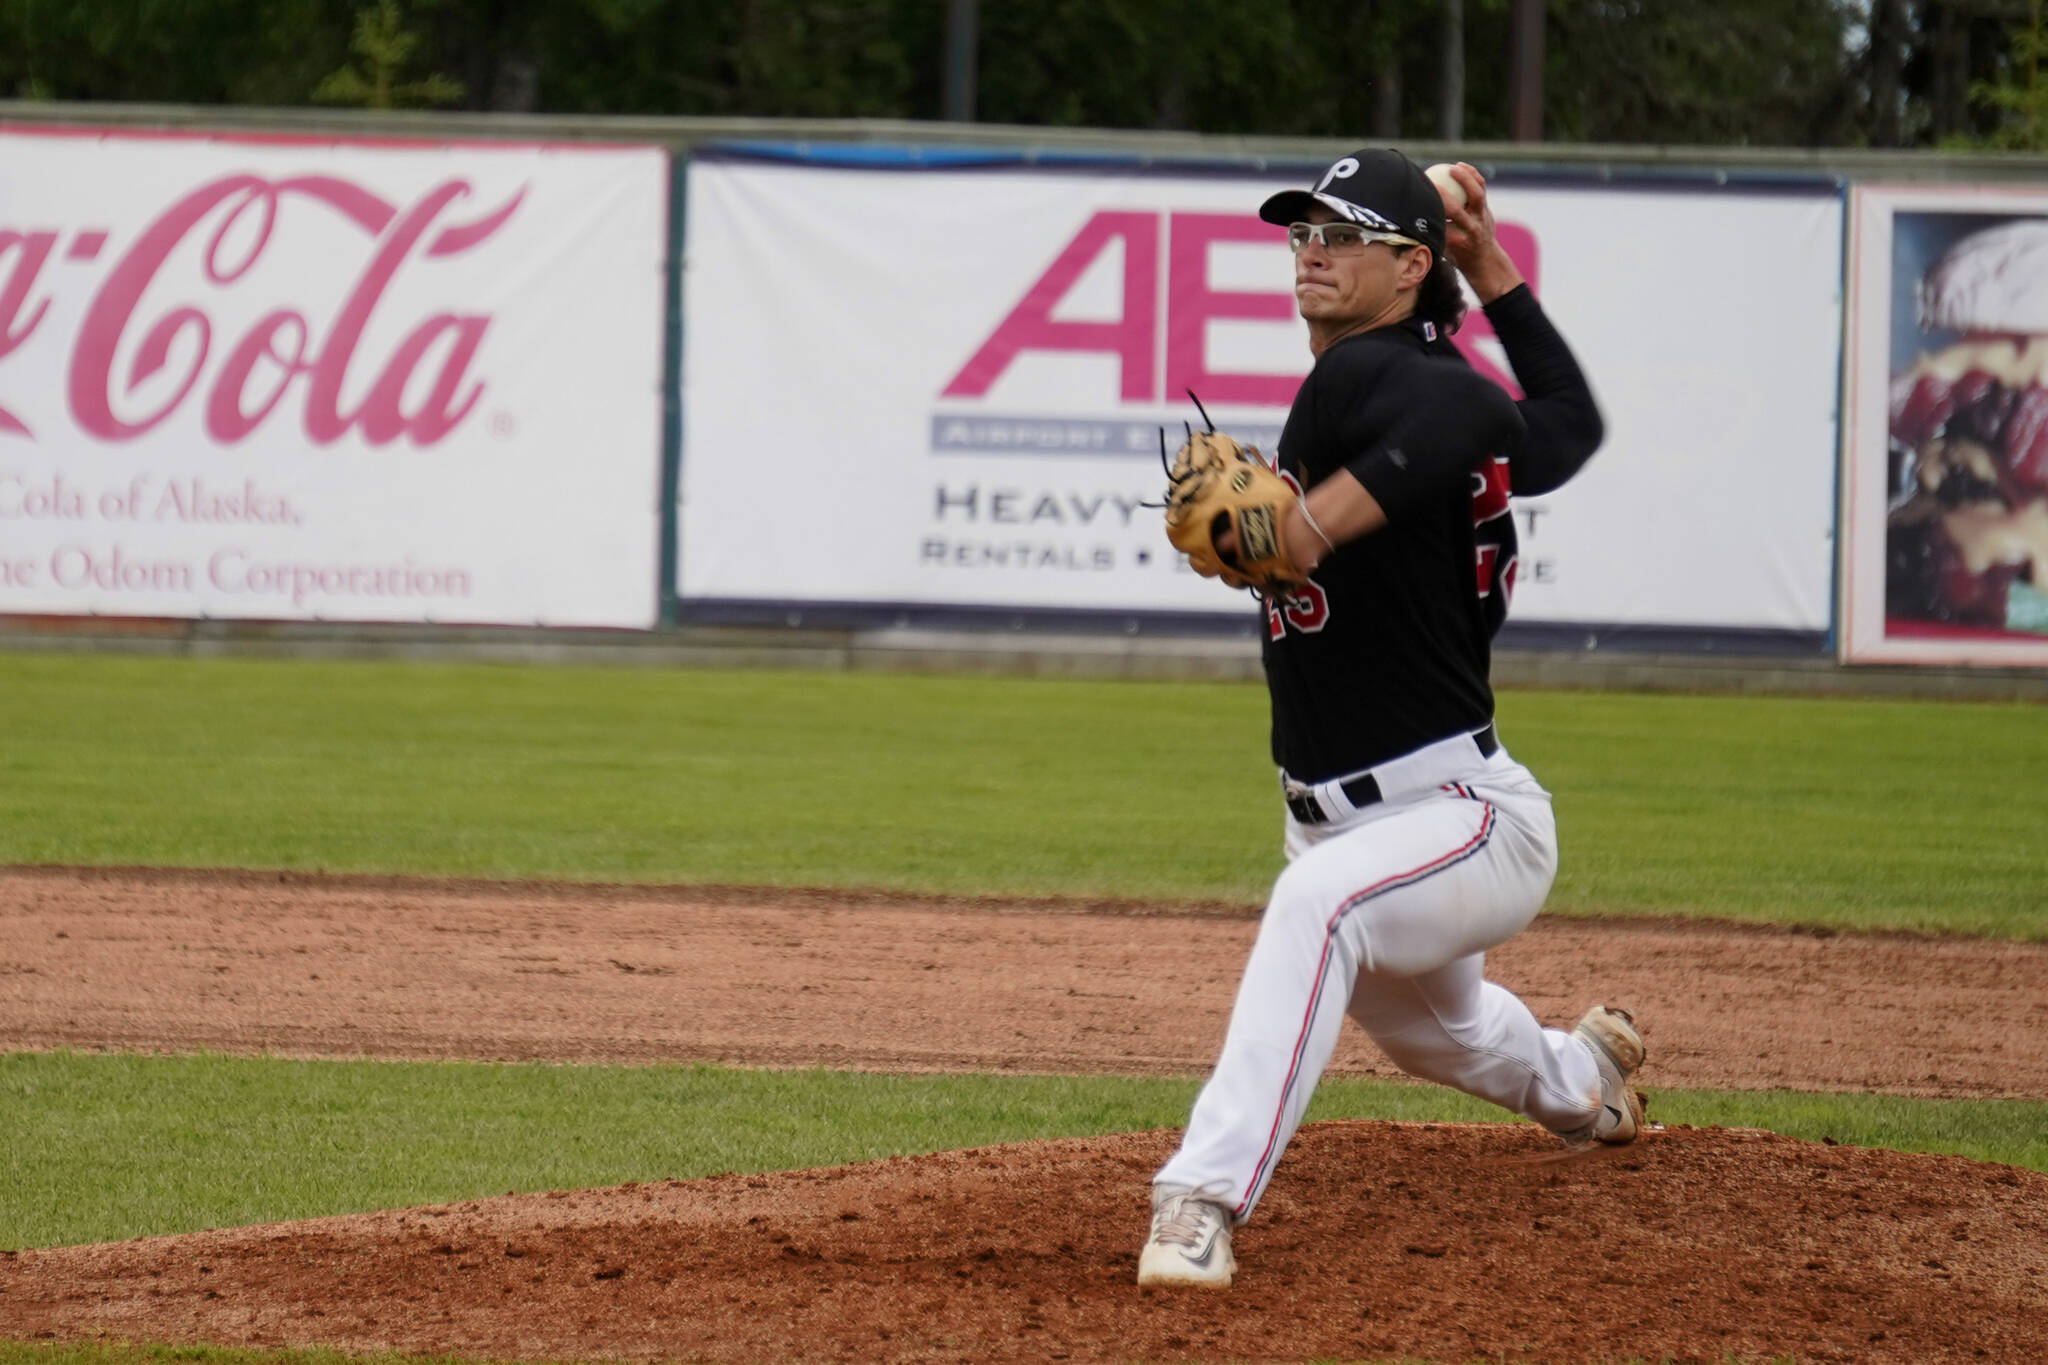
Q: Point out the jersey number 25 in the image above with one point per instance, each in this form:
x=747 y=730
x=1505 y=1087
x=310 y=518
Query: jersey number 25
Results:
x=1307 y=609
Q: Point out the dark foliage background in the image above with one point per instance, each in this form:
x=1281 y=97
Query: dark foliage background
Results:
x=1759 y=72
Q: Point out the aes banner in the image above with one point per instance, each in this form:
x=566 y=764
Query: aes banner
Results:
x=1945 y=445
x=908 y=386
x=315 y=380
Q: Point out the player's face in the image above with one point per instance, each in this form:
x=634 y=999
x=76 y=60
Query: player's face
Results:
x=1337 y=289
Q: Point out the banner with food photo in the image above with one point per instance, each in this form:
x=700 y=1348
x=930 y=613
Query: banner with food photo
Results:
x=1945 y=437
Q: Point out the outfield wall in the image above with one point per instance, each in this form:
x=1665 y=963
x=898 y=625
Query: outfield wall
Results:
x=326 y=380
x=987 y=356
x=607 y=373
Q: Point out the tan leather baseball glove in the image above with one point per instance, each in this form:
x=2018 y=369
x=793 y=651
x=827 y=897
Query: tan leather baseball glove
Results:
x=1216 y=485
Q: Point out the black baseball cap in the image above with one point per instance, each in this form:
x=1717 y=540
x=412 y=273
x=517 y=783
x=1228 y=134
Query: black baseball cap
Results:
x=1375 y=187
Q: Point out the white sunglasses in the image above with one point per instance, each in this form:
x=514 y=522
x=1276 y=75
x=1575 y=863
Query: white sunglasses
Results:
x=1341 y=239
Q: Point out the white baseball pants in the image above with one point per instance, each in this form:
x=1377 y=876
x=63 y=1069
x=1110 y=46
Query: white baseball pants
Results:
x=1386 y=913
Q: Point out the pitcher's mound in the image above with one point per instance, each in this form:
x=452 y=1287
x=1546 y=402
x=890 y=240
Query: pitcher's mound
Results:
x=1376 y=1241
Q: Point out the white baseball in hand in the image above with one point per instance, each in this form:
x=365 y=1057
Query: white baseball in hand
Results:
x=1453 y=193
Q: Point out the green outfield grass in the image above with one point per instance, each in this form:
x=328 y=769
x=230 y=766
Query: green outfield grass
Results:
x=120 y=1146
x=1842 y=813
x=1921 y=815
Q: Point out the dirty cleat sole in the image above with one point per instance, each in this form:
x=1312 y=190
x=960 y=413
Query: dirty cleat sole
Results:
x=1618 y=1051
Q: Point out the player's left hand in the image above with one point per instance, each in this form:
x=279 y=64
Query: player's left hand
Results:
x=1226 y=510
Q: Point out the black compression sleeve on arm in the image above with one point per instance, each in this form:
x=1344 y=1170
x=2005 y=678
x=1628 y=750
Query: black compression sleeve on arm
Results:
x=1563 y=421
x=1450 y=420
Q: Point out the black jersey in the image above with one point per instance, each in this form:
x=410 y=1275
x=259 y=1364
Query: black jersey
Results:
x=1564 y=429
x=1386 y=650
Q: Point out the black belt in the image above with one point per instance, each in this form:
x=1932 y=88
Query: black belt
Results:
x=1364 y=790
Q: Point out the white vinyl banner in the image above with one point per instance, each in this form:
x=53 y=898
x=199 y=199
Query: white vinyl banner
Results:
x=1945 y=441
x=290 y=379
x=947 y=386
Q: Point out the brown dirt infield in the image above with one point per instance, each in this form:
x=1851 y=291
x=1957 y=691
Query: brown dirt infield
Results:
x=1376 y=1240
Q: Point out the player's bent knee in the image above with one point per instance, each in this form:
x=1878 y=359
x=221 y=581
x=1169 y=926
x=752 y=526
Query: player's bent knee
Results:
x=1425 y=1054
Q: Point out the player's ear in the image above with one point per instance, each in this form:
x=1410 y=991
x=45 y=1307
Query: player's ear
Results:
x=1416 y=263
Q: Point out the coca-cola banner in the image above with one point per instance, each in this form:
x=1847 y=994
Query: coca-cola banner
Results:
x=317 y=380
x=958 y=379
x=1945 y=445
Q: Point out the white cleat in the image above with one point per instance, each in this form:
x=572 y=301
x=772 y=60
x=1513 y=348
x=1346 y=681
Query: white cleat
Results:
x=1190 y=1242
x=1617 y=1049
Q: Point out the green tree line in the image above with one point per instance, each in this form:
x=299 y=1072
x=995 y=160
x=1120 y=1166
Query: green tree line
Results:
x=1887 y=73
